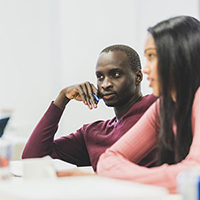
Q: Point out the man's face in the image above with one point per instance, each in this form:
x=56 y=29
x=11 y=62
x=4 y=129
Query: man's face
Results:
x=116 y=81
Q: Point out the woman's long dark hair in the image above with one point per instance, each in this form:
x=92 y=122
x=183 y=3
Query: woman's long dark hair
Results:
x=178 y=50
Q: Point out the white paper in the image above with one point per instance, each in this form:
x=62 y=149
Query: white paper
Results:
x=16 y=167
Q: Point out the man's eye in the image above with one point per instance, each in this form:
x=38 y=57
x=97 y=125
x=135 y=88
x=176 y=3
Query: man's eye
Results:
x=117 y=74
x=99 y=77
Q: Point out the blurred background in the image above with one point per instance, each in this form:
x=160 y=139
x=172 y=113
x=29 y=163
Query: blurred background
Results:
x=46 y=45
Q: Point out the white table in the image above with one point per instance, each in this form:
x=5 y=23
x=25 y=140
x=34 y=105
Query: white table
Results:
x=174 y=197
x=83 y=188
x=80 y=188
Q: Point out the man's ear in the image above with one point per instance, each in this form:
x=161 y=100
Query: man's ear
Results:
x=139 y=77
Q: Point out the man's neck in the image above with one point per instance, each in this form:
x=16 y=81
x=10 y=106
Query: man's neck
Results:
x=123 y=109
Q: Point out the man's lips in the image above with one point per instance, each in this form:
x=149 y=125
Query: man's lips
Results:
x=108 y=96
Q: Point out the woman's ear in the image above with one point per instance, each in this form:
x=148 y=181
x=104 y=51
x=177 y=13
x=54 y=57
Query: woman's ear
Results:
x=139 y=77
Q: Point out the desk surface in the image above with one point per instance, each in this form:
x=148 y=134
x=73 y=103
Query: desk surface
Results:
x=75 y=188
x=83 y=187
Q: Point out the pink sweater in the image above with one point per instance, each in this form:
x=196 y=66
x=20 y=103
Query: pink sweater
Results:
x=119 y=160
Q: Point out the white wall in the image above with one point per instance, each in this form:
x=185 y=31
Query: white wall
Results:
x=24 y=60
x=86 y=28
x=46 y=45
x=151 y=12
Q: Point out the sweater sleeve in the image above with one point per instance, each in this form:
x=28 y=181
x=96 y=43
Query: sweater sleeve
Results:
x=119 y=160
x=70 y=148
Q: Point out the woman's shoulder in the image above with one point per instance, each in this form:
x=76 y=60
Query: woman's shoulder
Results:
x=197 y=94
x=197 y=98
x=198 y=91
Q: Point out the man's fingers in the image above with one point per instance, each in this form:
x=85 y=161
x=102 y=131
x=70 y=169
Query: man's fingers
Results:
x=85 y=92
x=86 y=95
x=89 y=90
x=95 y=93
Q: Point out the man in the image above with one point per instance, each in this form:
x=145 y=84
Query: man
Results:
x=118 y=72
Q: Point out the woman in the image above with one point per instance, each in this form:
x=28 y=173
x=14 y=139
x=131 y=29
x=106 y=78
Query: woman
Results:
x=172 y=124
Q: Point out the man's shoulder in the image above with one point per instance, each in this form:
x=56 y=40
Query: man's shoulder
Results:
x=148 y=97
x=148 y=100
x=143 y=104
x=138 y=109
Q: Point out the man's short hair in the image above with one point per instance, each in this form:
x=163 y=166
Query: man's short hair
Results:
x=131 y=53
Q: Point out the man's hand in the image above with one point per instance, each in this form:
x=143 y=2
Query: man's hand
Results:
x=81 y=92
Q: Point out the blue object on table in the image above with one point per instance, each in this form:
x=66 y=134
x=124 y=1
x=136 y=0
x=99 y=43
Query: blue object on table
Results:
x=3 y=123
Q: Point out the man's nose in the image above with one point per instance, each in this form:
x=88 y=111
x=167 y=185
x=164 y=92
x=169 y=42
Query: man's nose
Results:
x=106 y=83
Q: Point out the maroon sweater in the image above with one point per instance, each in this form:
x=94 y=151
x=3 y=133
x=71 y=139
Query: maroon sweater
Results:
x=83 y=147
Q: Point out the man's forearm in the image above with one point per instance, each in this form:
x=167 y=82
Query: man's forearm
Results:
x=61 y=101
x=40 y=142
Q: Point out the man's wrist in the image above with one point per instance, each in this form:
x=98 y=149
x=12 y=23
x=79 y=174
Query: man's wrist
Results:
x=61 y=101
